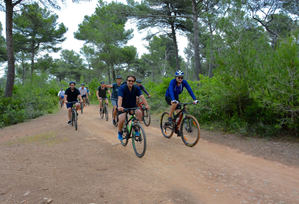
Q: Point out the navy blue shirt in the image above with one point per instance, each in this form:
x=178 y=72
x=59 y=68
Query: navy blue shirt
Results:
x=115 y=88
x=129 y=97
x=143 y=89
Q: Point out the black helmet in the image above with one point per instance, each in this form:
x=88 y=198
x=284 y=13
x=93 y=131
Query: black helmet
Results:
x=72 y=82
x=82 y=84
x=118 y=77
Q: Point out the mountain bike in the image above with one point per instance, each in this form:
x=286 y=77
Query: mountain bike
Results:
x=104 y=111
x=133 y=129
x=146 y=116
x=74 y=116
x=183 y=124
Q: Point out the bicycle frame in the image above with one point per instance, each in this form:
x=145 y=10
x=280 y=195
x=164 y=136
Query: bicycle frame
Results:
x=128 y=124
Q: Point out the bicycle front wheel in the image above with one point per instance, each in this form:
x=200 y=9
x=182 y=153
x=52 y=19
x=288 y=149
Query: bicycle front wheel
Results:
x=76 y=120
x=81 y=106
x=166 y=126
x=190 y=130
x=106 y=112
x=138 y=140
x=146 y=117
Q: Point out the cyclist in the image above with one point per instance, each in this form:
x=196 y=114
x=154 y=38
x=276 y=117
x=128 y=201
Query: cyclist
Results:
x=83 y=93
x=102 y=94
x=61 y=96
x=142 y=88
x=175 y=88
x=88 y=94
x=127 y=95
x=71 y=95
x=114 y=96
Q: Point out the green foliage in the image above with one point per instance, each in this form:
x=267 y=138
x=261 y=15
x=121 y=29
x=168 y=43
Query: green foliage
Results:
x=30 y=100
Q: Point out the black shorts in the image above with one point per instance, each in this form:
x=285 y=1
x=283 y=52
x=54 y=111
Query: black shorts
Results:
x=83 y=96
x=168 y=101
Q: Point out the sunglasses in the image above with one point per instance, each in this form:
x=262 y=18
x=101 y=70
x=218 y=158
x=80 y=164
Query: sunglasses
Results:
x=180 y=77
x=130 y=80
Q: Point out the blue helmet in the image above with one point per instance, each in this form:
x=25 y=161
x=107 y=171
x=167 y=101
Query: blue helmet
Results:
x=72 y=82
x=179 y=73
x=139 y=81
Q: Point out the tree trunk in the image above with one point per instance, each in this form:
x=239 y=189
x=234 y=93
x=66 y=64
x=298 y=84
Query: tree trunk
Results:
x=173 y=33
x=197 y=65
x=32 y=61
x=109 y=75
x=23 y=68
x=113 y=74
x=10 y=50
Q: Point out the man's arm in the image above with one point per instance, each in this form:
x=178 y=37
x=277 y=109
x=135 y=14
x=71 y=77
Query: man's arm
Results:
x=119 y=103
x=144 y=101
x=189 y=90
x=97 y=93
x=145 y=91
x=65 y=98
x=109 y=85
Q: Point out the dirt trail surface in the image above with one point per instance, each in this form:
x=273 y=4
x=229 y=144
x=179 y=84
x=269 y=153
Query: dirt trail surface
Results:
x=46 y=158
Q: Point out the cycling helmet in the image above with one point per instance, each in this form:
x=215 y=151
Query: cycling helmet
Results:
x=179 y=73
x=102 y=82
x=82 y=84
x=118 y=77
x=139 y=81
x=72 y=82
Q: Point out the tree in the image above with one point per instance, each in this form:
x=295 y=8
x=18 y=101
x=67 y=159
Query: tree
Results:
x=170 y=15
x=39 y=29
x=2 y=47
x=9 y=9
x=105 y=30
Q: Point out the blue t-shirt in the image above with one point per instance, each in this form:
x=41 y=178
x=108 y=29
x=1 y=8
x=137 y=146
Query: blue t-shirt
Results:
x=129 y=97
x=142 y=88
x=115 y=89
x=174 y=90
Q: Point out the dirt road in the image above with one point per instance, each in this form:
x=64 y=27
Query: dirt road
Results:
x=47 y=158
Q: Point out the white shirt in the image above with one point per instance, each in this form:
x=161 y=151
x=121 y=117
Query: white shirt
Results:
x=83 y=91
x=61 y=93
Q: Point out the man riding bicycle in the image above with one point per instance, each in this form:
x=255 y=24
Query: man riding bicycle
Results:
x=114 y=96
x=142 y=88
x=61 y=96
x=83 y=93
x=71 y=96
x=102 y=94
x=173 y=91
x=127 y=95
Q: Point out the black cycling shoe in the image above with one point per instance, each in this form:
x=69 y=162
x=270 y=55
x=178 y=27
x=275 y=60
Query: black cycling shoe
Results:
x=69 y=122
x=114 y=122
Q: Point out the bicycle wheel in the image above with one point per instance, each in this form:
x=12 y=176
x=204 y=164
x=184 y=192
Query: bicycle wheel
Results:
x=101 y=113
x=76 y=120
x=72 y=119
x=106 y=112
x=146 y=117
x=138 y=140
x=166 y=127
x=125 y=139
x=190 y=131
x=81 y=106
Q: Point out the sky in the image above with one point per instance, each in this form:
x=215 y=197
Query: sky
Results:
x=72 y=14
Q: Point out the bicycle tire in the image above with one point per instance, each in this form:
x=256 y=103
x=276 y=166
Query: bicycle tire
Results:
x=106 y=112
x=164 y=127
x=102 y=113
x=137 y=139
x=81 y=106
x=76 y=121
x=186 y=128
x=72 y=119
x=146 y=117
